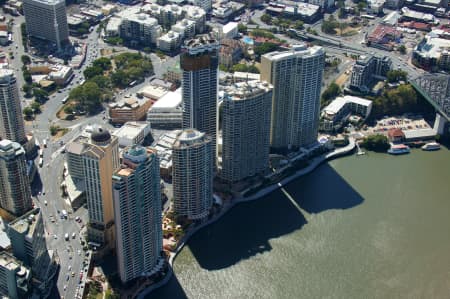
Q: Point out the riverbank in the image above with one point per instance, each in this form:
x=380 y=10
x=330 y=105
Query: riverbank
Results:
x=314 y=163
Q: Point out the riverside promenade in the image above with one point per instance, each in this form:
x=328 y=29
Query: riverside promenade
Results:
x=314 y=163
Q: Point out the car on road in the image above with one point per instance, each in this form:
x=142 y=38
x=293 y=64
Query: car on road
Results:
x=66 y=236
x=67 y=277
x=78 y=219
x=55 y=237
x=45 y=202
x=73 y=274
x=74 y=235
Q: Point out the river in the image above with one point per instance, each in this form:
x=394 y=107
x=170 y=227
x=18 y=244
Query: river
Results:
x=374 y=226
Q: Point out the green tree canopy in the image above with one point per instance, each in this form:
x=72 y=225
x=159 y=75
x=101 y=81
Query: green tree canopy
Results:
x=265 y=48
x=396 y=75
x=378 y=143
x=40 y=95
x=36 y=106
x=104 y=63
x=25 y=59
x=92 y=71
x=331 y=92
x=28 y=112
x=88 y=95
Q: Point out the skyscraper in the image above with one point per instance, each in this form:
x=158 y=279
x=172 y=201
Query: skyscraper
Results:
x=47 y=19
x=11 y=119
x=192 y=174
x=15 y=194
x=137 y=210
x=97 y=157
x=28 y=245
x=296 y=76
x=199 y=62
x=245 y=129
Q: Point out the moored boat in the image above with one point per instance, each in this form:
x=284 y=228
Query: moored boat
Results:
x=431 y=146
x=399 y=149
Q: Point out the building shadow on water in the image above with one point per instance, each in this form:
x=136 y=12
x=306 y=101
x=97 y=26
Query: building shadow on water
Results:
x=247 y=229
x=172 y=290
x=323 y=190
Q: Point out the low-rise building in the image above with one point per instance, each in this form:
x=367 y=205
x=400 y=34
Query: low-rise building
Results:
x=339 y=110
x=153 y=91
x=229 y=31
x=61 y=74
x=164 y=147
x=131 y=109
x=186 y=28
x=113 y=27
x=132 y=132
x=169 y=42
x=29 y=246
x=412 y=15
x=15 y=278
x=367 y=70
x=432 y=53
x=138 y=28
x=167 y=111
x=230 y=52
x=383 y=37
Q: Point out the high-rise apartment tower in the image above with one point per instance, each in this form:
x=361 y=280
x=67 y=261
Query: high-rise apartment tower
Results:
x=15 y=194
x=192 y=174
x=245 y=129
x=137 y=210
x=199 y=62
x=47 y=19
x=11 y=119
x=296 y=76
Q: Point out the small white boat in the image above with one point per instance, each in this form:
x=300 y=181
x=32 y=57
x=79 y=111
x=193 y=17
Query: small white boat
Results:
x=399 y=149
x=431 y=146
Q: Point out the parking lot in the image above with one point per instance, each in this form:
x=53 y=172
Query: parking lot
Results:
x=404 y=123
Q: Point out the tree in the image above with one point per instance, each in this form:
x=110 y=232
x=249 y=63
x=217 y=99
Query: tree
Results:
x=36 y=107
x=88 y=95
x=331 y=92
x=329 y=26
x=92 y=71
x=378 y=143
x=54 y=130
x=68 y=110
x=28 y=90
x=40 y=95
x=396 y=75
x=242 y=28
x=120 y=79
x=265 y=48
x=101 y=81
x=402 y=49
x=298 y=25
x=28 y=112
x=266 y=19
x=104 y=63
x=27 y=76
x=25 y=59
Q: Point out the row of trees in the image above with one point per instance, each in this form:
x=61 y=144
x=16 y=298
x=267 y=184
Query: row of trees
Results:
x=282 y=22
